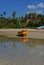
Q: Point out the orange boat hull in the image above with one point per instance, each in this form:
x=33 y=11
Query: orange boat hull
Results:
x=23 y=32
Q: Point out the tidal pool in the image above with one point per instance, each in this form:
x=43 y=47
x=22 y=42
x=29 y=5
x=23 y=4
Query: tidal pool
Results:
x=21 y=51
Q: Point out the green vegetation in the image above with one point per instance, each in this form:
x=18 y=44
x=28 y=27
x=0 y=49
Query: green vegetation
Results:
x=30 y=20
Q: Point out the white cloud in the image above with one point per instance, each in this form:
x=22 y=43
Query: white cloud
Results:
x=31 y=6
x=40 y=5
x=36 y=11
x=39 y=11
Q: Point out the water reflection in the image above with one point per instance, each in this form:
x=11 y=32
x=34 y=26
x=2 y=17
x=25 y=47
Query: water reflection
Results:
x=32 y=42
x=5 y=43
x=22 y=51
x=14 y=45
x=28 y=42
x=24 y=40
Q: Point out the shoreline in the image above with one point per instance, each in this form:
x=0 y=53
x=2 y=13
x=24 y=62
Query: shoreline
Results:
x=32 y=33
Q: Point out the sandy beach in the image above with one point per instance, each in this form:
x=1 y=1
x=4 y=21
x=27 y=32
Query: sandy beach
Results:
x=32 y=33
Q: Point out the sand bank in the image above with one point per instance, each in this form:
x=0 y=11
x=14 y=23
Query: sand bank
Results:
x=32 y=33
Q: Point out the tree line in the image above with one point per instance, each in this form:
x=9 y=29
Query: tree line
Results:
x=29 y=20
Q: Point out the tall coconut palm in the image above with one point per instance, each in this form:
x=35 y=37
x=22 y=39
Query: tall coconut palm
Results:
x=4 y=13
x=1 y=15
x=14 y=14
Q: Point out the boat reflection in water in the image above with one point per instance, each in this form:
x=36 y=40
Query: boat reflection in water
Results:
x=24 y=40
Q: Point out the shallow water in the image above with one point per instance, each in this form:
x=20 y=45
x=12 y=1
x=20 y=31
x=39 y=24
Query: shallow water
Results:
x=22 y=52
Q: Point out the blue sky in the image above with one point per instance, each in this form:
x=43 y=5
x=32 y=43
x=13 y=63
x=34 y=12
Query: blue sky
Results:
x=21 y=7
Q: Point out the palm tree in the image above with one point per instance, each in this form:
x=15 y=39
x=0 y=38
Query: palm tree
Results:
x=1 y=17
x=14 y=14
x=4 y=13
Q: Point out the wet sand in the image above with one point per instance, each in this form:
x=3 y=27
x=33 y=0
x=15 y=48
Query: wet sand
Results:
x=32 y=33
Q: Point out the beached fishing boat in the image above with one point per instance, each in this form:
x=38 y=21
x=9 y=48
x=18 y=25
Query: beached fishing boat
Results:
x=23 y=33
